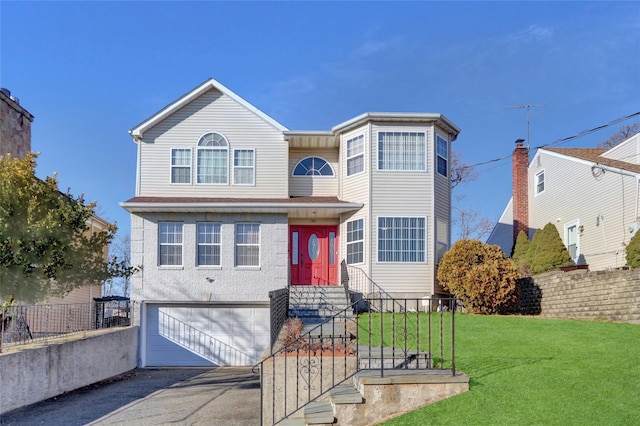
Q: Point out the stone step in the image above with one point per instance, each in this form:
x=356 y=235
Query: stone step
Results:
x=345 y=394
x=308 y=311
x=319 y=412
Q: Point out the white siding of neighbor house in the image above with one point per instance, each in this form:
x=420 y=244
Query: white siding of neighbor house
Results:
x=571 y=194
x=189 y=282
x=213 y=112
x=628 y=151
x=403 y=194
x=305 y=186
x=502 y=234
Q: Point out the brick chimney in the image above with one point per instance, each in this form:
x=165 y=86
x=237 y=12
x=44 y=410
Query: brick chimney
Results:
x=520 y=189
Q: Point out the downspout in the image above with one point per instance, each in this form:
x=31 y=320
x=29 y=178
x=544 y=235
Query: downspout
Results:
x=372 y=225
x=138 y=141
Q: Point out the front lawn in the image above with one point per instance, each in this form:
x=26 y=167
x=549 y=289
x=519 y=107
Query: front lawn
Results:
x=527 y=370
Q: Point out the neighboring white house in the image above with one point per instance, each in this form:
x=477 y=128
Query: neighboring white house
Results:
x=590 y=195
x=230 y=204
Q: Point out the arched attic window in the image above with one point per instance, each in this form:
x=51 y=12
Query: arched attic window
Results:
x=313 y=166
x=213 y=159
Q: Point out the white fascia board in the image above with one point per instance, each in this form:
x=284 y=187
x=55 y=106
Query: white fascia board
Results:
x=563 y=156
x=138 y=131
x=397 y=117
x=590 y=163
x=235 y=207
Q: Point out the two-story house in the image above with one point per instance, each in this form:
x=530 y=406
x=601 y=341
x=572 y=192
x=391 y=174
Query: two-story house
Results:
x=230 y=204
x=591 y=195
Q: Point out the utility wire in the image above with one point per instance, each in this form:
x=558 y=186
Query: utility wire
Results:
x=559 y=141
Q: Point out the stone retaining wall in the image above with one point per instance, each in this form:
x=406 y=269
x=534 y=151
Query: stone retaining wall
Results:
x=611 y=295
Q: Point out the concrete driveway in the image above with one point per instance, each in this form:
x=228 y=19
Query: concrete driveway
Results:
x=184 y=396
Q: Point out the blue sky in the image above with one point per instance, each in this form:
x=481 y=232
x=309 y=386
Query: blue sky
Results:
x=90 y=71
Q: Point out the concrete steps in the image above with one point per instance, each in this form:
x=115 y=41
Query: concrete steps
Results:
x=315 y=304
x=323 y=412
x=374 y=397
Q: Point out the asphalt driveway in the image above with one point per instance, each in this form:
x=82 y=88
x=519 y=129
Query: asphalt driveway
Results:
x=180 y=396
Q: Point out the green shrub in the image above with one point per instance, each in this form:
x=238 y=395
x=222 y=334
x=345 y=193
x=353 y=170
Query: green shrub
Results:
x=633 y=251
x=521 y=253
x=547 y=252
x=480 y=275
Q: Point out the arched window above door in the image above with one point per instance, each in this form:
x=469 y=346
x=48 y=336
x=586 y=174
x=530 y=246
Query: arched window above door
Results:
x=313 y=166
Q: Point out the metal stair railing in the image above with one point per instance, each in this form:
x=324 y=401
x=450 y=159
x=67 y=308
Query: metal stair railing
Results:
x=363 y=288
x=305 y=367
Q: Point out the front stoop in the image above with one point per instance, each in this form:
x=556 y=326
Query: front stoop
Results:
x=374 y=399
x=397 y=393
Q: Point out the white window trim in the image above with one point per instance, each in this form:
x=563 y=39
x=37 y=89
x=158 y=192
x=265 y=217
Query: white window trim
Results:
x=198 y=244
x=401 y=170
x=347 y=242
x=426 y=238
x=160 y=244
x=535 y=183
x=364 y=163
x=440 y=156
x=253 y=168
x=208 y=148
x=236 y=245
x=171 y=166
x=333 y=172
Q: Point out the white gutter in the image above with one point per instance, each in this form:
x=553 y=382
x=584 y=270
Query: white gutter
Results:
x=237 y=206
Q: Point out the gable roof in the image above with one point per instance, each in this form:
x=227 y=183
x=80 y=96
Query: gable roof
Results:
x=594 y=155
x=138 y=131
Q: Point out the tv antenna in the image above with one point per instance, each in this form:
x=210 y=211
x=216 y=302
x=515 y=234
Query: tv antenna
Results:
x=528 y=107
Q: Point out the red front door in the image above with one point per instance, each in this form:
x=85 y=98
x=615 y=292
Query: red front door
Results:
x=313 y=255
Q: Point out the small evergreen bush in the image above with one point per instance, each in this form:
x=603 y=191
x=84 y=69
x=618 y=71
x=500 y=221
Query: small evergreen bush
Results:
x=521 y=254
x=547 y=251
x=633 y=251
x=481 y=276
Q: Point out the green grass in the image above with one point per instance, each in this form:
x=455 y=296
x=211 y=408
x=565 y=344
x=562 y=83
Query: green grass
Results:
x=534 y=371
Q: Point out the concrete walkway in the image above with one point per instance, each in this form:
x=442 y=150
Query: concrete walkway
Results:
x=185 y=396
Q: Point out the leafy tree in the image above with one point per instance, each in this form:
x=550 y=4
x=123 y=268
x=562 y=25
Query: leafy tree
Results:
x=633 y=251
x=547 y=251
x=480 y=275
x=521 y=253
x=46 y=245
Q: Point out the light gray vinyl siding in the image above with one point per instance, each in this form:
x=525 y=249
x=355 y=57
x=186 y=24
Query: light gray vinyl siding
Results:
x=603 y=206
x=356 y=188
x=628 y=150
x=214 y=112
x=403 y=194
x=314 y=185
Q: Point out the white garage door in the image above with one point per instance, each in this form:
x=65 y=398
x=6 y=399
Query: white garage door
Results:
x=206 y=335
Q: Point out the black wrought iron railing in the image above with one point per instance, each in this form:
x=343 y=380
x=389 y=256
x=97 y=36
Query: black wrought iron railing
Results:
x=363 y=289
x=21 y=324
x=306 y=366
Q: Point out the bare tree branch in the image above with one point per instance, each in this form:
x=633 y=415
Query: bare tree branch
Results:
x=622 y=134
